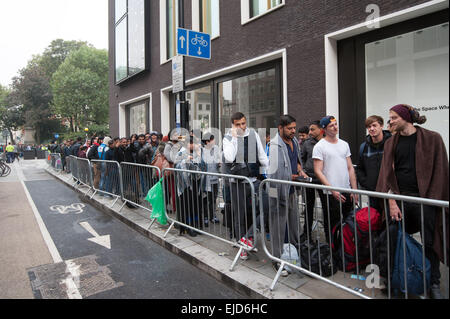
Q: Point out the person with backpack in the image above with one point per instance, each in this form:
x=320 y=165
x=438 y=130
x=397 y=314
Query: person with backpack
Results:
x=245 y=156
x=102 y=150
x=371 y=155
x=333 y=167
x=415 y=163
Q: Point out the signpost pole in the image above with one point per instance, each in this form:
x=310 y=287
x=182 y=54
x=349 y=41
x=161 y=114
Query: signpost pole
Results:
x=182 y=95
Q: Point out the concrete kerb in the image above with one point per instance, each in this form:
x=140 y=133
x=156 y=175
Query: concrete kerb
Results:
x=243 y=279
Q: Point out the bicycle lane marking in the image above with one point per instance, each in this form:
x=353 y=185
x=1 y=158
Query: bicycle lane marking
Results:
x=72 y=288
x=44 y=231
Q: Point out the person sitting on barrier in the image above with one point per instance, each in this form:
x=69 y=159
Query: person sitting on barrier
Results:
x=415 y=163
x=333 y=167
x=306 y=151
x=245 y=156
x=285 y=164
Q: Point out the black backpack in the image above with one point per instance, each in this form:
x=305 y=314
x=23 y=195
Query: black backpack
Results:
x=321 y=261
x=384 y=253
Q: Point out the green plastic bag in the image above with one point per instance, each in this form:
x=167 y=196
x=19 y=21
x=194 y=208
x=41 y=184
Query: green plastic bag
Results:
x=155 y=197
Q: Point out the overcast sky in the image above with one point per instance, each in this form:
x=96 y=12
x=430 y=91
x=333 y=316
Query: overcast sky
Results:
x=27 y=27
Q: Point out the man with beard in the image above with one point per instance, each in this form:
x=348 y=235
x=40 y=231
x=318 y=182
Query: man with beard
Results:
x=284 y=164
x=415 y=163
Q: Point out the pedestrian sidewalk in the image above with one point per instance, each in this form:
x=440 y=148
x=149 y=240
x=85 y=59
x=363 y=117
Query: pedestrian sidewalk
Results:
x=252 y=277
x=22 y=245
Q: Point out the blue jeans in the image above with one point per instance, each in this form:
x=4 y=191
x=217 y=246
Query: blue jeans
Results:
x=9 y=157
x=111 y=181
x=102 y=185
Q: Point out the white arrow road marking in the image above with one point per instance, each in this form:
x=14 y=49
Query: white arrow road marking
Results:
x=182 y=39
x=104 y=241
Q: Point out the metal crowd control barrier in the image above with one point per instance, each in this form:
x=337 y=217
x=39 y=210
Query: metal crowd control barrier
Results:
x=55 y=161
x=107 y=179
x=137 y=180
x=67 y=163
x=366 y=253
x=72 y=162
x=82 y=173
x=193 y=198
x=48 y=158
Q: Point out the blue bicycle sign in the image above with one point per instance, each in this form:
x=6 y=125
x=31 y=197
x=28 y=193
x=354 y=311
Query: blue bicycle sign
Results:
x=198 y=40
x=193 y=44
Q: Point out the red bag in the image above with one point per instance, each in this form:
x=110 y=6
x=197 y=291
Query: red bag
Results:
x=361 y=217
x=162 y=163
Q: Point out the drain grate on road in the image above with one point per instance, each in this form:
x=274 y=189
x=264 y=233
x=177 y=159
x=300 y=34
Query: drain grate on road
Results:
x=58 y=281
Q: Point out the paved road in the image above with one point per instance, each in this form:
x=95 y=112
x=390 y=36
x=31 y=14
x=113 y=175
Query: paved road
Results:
x=90 y=254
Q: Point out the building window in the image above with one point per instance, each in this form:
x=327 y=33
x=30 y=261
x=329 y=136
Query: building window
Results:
x=121 y=9
x=138 y=122
x=209 y=17
x=258 y=7
x=411 y=68
x=253 y=9
x=234 y=97
x=171 y=27
x=197 y=99
x=130 y=38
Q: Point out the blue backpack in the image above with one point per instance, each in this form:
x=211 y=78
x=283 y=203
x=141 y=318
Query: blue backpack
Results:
x=102 y=151
x=414 y=266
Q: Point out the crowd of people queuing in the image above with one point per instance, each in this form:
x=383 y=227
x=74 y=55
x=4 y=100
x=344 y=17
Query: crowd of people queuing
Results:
x=405 y=159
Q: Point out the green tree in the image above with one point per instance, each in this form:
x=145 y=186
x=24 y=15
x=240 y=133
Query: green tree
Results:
x=31 y=88
x=80 y=88
x=56 y=53
x=11 y=116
